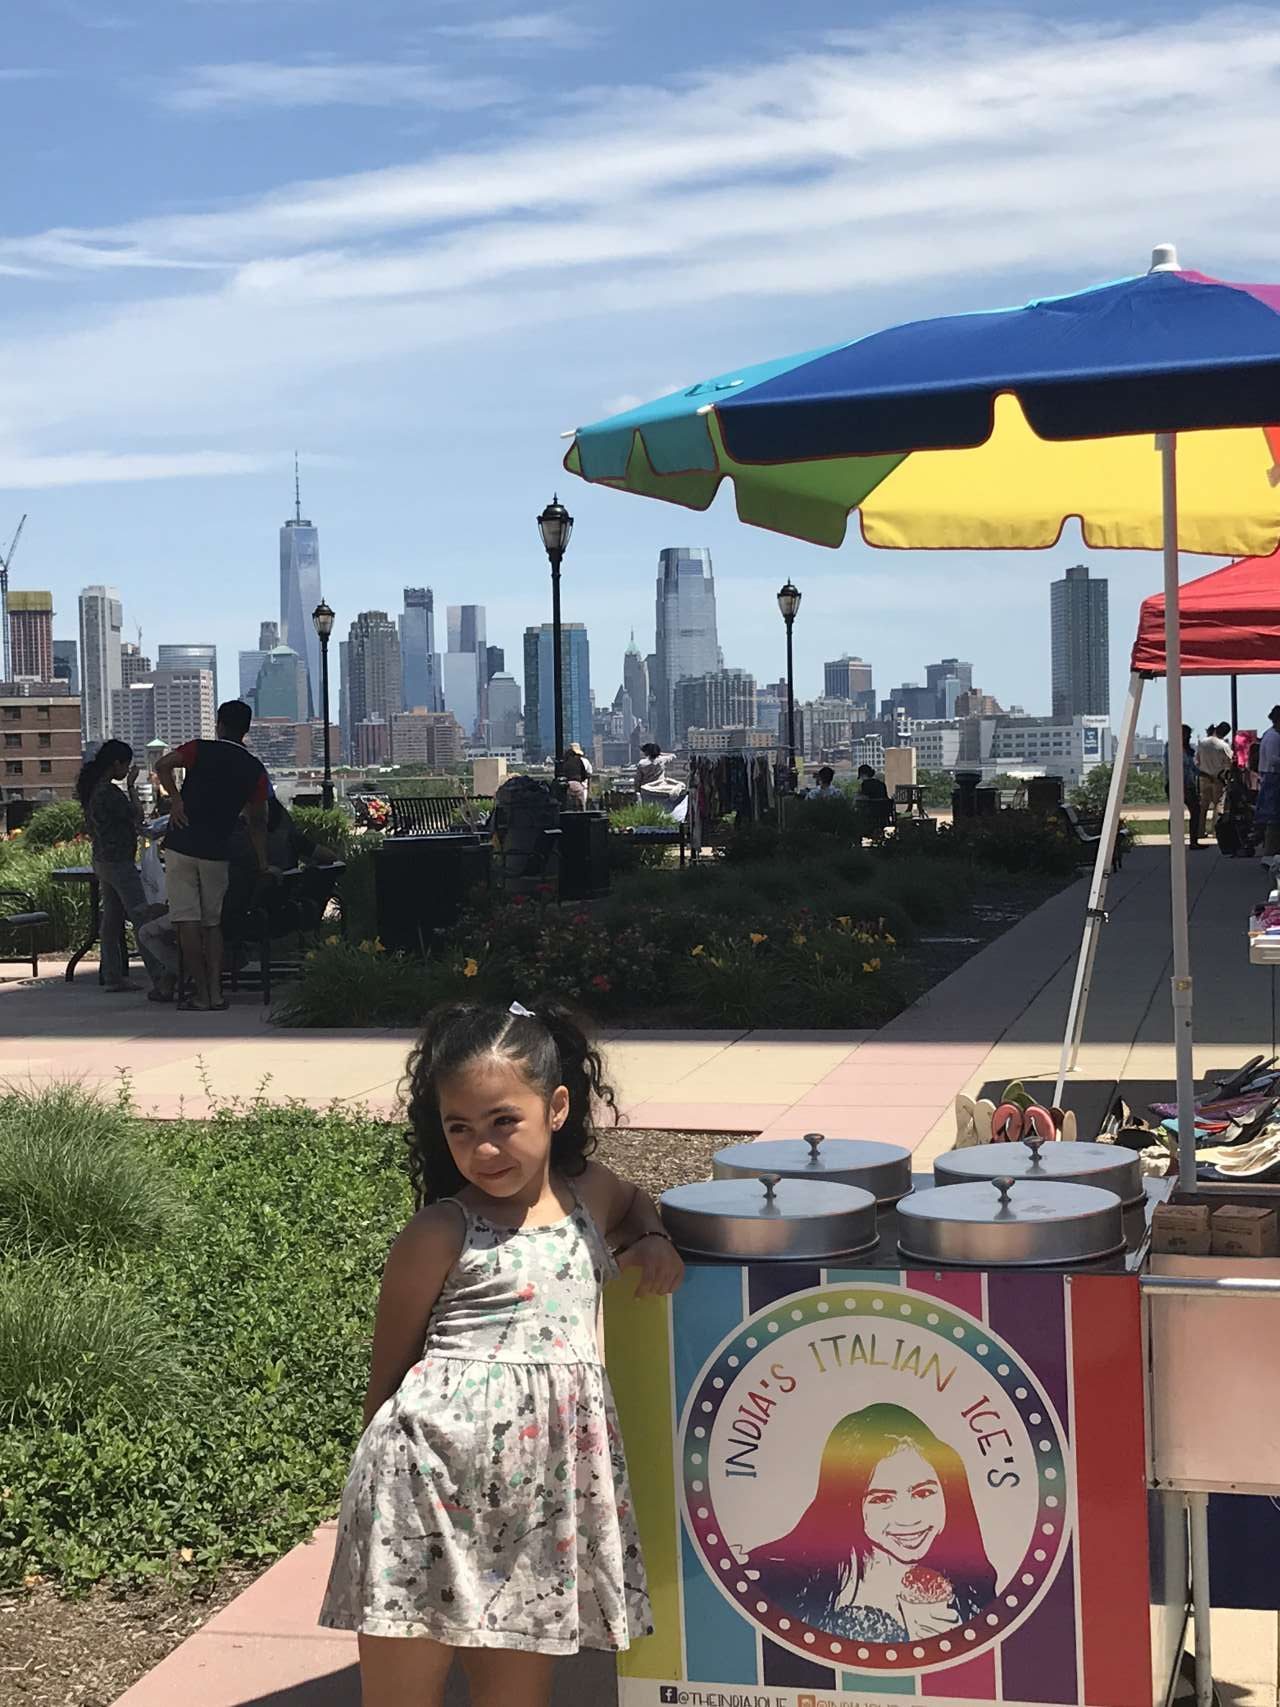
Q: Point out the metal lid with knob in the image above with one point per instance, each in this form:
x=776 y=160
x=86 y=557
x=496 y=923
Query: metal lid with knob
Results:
x=1035 y=1159
x=882 y=1169
x=1009 y=1222
x=765 y=1218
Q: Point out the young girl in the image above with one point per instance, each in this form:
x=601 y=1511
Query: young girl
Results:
x=487 y=1514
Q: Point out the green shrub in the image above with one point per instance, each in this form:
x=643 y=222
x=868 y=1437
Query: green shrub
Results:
x=836 y=815
x=72 y=1176
x=271 y=1297
x=59 y=821
x=70 y=1340
x=838 y=973
x=66 y=903
x=331 y=826
x=356 y=984
x=643 y=814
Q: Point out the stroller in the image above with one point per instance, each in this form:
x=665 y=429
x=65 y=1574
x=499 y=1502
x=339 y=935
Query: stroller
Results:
x=1233 y=826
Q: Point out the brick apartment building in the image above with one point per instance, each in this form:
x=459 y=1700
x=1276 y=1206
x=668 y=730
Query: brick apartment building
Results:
x=42 y=752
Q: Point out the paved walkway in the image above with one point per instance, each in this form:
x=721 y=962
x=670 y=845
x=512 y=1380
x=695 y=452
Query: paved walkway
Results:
x=1000 y=1016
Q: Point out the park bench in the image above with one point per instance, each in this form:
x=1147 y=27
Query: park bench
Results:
x=434 y=815
x=19 y=915
x=1087 y=833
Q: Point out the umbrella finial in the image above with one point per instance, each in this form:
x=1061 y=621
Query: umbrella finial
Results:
x=1164 y=259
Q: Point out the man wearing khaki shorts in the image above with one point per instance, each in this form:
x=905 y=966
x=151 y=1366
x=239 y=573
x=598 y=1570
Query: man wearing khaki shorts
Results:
x=222 y=781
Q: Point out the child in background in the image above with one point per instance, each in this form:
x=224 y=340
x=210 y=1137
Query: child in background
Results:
x=487 y=1515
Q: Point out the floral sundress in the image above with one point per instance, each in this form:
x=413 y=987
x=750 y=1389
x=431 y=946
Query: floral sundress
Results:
x=488 y=1503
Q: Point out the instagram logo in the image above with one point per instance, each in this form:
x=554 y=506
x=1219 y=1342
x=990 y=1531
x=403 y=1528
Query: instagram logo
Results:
x=807 y=1701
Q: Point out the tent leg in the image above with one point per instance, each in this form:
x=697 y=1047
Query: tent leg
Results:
x=1235 y=704
x=1095 y=914
x=1181 y=982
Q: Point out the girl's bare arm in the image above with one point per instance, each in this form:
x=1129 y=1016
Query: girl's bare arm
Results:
x=417 y=1267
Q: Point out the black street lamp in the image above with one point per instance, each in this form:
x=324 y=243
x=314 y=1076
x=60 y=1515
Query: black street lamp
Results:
x=789 y=604
x=555 y=524
x=322 y=617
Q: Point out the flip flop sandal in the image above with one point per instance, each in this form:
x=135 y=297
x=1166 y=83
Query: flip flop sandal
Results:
x=1007 y=1124
x=1059 y=1116
x=984 y=1111
x=966 y=1133
x=1037 y=1122
x=1070 y=1127
x=1016 y=1093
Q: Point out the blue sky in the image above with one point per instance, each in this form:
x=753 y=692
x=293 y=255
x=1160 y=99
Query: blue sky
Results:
x=418 y=241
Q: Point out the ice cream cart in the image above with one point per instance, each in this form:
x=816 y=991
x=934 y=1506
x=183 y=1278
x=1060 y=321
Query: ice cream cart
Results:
x=896 y=1450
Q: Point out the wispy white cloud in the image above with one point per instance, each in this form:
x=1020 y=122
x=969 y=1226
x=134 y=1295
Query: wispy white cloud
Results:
x=328 y=83
x=525 y=29
x=944 y=154
x=104 y=467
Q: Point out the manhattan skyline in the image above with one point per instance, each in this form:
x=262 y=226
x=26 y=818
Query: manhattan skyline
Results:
x=421 y=247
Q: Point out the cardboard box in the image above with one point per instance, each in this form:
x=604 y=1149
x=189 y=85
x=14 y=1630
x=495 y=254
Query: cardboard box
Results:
x=1182 y=1229
x=1243 y=1230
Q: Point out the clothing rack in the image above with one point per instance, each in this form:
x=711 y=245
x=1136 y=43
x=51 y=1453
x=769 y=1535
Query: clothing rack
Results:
x=743 y=781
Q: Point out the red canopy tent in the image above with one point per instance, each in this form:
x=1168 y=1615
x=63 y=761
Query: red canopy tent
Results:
x=1228 y=625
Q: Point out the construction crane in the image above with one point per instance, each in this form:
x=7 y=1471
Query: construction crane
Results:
x=5 y=562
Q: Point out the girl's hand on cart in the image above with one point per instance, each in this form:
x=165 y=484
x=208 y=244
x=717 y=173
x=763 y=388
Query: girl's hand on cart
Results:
x=659 y=1262
x=924 y=1620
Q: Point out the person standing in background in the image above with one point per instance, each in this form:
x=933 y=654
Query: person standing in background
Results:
x=577 y=773
x=1190 y=784
x=1267 y=812
x=222 y=780
x=1213 y=761
x=113 y=818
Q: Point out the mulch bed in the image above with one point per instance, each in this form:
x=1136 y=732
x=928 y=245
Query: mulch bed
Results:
x=86 y=1652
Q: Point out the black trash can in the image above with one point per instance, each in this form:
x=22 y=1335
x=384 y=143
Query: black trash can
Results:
x=986 y=802
x=1044 y=795
x=964 y=802
x=584 y=855
x=422 y=884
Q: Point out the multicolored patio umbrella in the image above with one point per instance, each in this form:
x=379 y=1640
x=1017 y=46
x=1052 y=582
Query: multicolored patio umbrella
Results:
x=1147 y=407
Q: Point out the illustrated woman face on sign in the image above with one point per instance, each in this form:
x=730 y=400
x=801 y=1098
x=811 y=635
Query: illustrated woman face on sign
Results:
x=890 y=1548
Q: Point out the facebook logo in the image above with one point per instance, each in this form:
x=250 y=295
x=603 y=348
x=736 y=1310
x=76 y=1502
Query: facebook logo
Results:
x=669 y=1692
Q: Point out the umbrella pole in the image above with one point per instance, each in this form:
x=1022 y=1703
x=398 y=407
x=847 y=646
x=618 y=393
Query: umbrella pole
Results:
x=1181 y=982
x=1096 y=910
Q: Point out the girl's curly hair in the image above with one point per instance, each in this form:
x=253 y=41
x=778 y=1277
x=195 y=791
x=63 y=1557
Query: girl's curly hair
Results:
x=549 y=1046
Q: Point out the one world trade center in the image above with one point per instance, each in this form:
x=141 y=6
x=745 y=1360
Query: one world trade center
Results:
x=300 y=593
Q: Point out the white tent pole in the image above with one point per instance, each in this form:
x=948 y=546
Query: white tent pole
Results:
x=1095 y=914
x=1181 y=982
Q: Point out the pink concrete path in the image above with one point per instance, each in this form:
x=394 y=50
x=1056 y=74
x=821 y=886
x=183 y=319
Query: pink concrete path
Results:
x=1000 y=1016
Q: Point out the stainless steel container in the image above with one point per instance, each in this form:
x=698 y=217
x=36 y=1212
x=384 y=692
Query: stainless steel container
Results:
x=882 y=1169
x=1106 y=1166
x=768 y=1219
x=1008 y=1223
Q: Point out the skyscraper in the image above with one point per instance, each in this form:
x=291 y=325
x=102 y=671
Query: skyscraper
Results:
x=686 y=643
x=850 y=678
x=495 y=662
x=101 y=622
x=169 y=705
x=281 y=687
x=373 y=672
x=504 y=710
x=722 y=699
x=418 y=658
x=462 y=690
x=467 y=639
x=539 y=692
x=31 y=636
x=946 y=681
x=185 y=658
x=635 y=679
x=66 y=664
x=134 y=664
x=300 y=593
x=1081 y=645
x=251 y=662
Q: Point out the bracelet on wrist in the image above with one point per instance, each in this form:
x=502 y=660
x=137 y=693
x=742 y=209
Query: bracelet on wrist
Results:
x=653 y=1233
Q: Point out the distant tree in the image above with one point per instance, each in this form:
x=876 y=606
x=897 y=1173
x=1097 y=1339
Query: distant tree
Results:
x=1142 y=788
x=938 y=787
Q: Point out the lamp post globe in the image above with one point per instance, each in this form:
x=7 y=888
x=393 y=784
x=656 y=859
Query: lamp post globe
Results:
x=322 y=619
x=555 y=525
